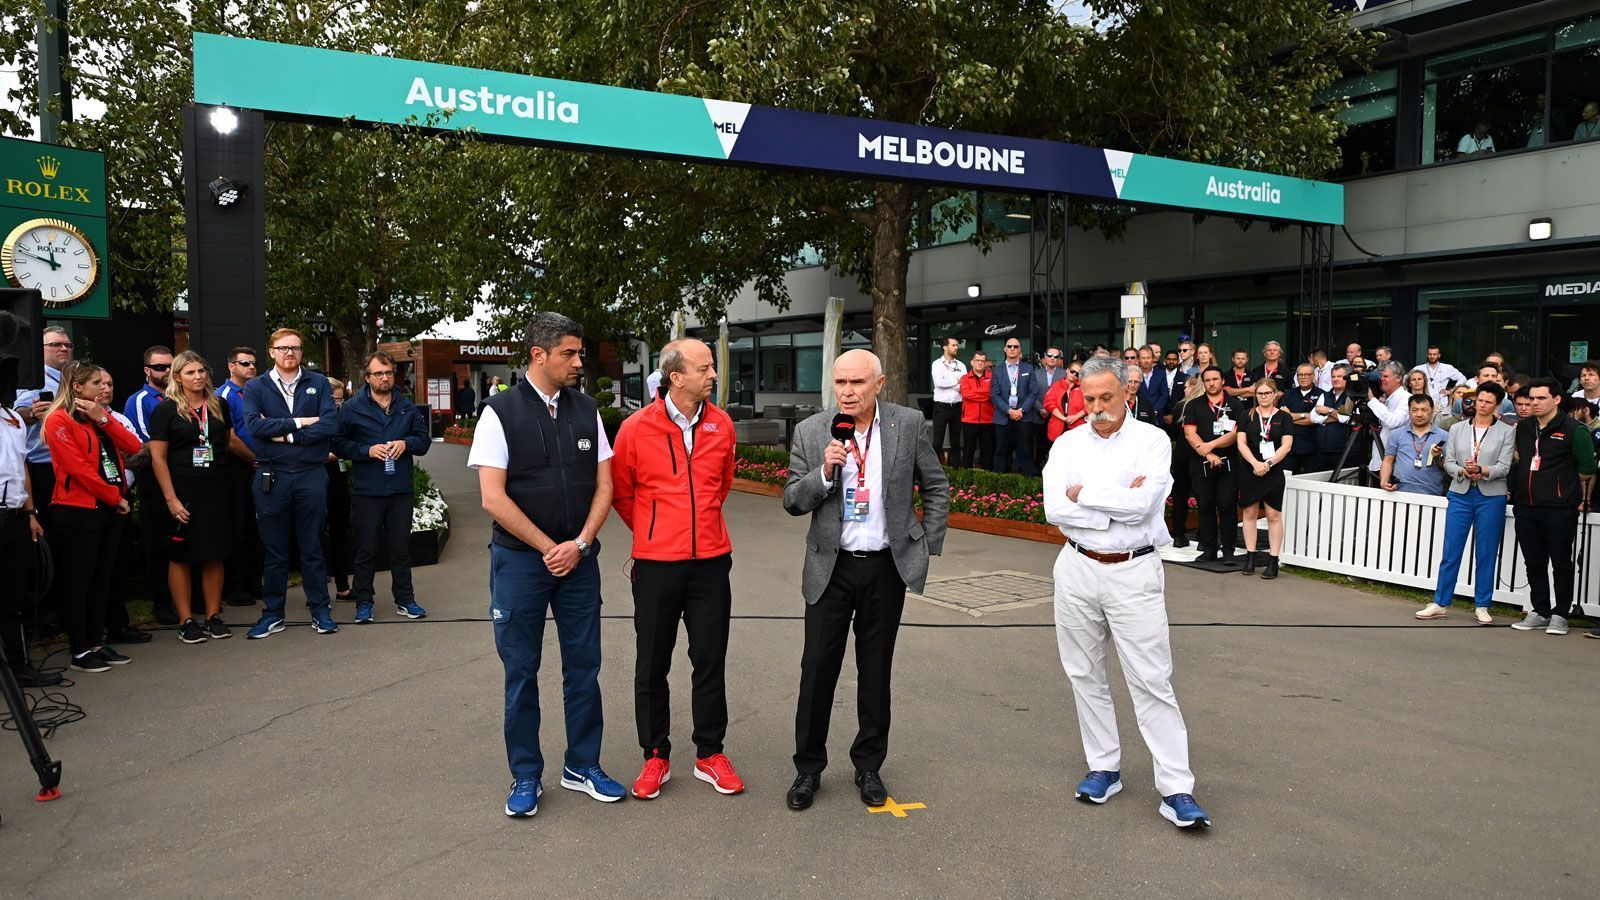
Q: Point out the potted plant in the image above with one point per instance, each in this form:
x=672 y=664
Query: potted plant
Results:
x=430 y=522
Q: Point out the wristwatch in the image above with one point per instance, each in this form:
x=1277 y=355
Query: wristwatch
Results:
x=583 y=548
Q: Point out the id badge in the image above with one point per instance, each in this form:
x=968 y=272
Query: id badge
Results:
x=202 y=456
x=1534 y=465
x=108 y=467
x=857 y=504
x=1417 y=463
x=1222 y=427
x=1266 y=450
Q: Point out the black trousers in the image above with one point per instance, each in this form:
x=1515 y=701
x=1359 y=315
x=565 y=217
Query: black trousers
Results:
x=978 y=443
x=241 y=578
x=43 y=477
x=1217 y=497
x=1181 y=490
x=155 y=529
x=1014 y=438
x=16 y=548
x=336 y=536
x=386 y=519
x=1545 y=535
x=947 y=416
x=867 y=590
x=697 y=592
x=89 y=552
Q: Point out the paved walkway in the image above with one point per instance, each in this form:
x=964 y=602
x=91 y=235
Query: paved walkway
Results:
x=1407 y=761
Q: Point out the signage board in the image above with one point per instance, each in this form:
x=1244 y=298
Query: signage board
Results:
x=53 y=226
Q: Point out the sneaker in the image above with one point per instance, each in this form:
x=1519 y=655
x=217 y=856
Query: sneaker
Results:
x=1483 y=617
x=1531 y=622
x=1432 y=611
x=112 y=657
x=1099 y=786
x=364 y=612
x=656 y=772
x=190 y=632
x=410 y=610
x=218 y=630
x=268 y=624
x=1592 y=634
x=1558 y=625
x=718 y=772
x=1182 y=811
x=89 y=662
x=524 y=800
x=592 y=781
x=322 y=622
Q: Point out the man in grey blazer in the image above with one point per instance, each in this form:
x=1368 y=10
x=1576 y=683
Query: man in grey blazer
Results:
x=865 y=547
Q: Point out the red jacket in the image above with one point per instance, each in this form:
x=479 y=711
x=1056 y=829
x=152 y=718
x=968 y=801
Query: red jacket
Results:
x=75 y=455
x=670 y=499
x=976 y=407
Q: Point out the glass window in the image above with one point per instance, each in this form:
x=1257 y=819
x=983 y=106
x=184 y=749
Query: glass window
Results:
x=1246 y=325
x=1469 y=322
x=1369 y=118
x=1482 y=56
x=1007 y=214
x=952 y=220
x=808 y=257
x=1484 y=112
x=1575 y=82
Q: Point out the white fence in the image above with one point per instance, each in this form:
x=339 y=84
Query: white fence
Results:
x=1399 y=539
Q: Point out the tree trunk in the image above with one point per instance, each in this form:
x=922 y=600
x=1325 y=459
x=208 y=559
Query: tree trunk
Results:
x=891 y=260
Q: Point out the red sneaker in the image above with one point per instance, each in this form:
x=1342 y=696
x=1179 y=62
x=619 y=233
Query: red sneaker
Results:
x=718 y=772
x=657 y=772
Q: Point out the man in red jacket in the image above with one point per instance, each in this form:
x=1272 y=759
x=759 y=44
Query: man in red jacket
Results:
x=672 y=471
x=977 y=415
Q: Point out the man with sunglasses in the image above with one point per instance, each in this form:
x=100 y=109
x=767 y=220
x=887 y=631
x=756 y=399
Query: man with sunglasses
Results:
x=241 y=585
x=155 y=523
x=1015 y=394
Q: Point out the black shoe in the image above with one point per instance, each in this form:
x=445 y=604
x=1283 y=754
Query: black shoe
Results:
x=1206 y=556
x=1271 y=570
x=1249 y=562
x=1226 y=555
x=873 y=793
x=166 y=615
x=112 y=657
x=90 y=662
x=31 y=677
x=191 y=632
x=128 y=635
x=1180 y=541
x=216 y=629
x=803 y=791
x=240 y=600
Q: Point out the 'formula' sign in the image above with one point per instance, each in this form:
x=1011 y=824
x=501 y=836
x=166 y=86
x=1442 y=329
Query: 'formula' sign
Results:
x=483 y=350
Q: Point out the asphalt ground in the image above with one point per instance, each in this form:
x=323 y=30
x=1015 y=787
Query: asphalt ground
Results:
x=1342 y=749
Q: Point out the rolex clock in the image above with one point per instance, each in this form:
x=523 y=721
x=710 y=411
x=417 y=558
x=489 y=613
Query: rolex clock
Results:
x=52 y=257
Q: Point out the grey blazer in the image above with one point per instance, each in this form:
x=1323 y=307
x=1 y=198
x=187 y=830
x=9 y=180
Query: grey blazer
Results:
x=1494 y=456
x=908 y=459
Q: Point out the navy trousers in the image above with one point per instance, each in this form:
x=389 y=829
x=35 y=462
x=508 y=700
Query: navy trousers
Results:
x=521 y=591
x=293 y=512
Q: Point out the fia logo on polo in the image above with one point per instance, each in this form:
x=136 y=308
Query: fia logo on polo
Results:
x=584 y=444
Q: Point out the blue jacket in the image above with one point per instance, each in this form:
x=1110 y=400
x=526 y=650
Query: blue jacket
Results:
x=363 y=423
x=140 y=406
x=1029 y=400
x=267 y=415
x=233 y=395
x=1155 y=385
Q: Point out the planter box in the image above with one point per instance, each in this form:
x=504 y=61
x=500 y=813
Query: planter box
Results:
x=426 y=548
x=758 y=487
x=451 y=439
x=1029 y=531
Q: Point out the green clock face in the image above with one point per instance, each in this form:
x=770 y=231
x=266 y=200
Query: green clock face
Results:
x=52 y=257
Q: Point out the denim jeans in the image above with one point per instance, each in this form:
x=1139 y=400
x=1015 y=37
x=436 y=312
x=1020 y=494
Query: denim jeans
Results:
x=1486 y=518
x=521 y=590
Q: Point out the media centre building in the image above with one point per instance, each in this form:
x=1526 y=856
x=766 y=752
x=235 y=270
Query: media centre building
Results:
x=1446 y=242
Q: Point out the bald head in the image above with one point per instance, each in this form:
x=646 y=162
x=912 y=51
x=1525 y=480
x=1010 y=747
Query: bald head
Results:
x=857 y=379
x=688 y=372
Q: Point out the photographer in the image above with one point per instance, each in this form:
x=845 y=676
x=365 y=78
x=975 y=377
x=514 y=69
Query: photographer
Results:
x=1386 y=412
x=1211 y=431
x=19 y=533
x=1331 y=416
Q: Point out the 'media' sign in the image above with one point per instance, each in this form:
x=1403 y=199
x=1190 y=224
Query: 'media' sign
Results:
x=327 y=84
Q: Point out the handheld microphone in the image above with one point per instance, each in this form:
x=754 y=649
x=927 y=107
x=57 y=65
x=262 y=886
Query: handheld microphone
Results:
x=844 y=431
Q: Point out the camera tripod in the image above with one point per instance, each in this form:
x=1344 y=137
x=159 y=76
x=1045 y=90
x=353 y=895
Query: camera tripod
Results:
x=49 y=770
x=1360 y=441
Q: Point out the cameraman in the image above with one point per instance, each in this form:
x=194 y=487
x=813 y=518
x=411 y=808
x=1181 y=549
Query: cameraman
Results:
x=1331 y=416
x=19 y=532
x=1387 y=412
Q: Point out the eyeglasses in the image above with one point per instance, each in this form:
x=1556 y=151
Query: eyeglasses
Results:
x=58 y=345
x=1013 y=346
x=386 y=374
x=159 y=367
x=296 y=349
x=1074 y=371
x=246 y=363
x=1052 y=356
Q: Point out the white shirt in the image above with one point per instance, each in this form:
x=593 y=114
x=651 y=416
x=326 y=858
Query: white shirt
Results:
x=652 y=386
x=489 y=446
x=1172 y=379
x=1323 y=377
x=1110 y=516
x=13 y=460
x=1393 y=414
x=873 y=534
x=1470 y=144
x=684 y=423
x=286 y=388
x=1012 y=368
x=127 y=474
x=1440 y=375
x=947 y=380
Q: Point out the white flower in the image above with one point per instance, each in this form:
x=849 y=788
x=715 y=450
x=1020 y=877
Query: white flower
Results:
x=430 y=512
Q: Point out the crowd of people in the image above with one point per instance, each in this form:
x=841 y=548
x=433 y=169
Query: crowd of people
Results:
x=232 y=486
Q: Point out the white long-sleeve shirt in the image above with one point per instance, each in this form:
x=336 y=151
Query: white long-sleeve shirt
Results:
x=947 y=380
x=1392 y=412
x=1110 y=516
x=1439 y=377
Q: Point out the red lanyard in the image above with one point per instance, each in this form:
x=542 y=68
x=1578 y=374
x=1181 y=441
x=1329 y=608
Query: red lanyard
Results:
x=1418 y=447
x=204 y=412
x=861 y=454
x=1266 y=426
x=1238 y=380
x=1218 y=411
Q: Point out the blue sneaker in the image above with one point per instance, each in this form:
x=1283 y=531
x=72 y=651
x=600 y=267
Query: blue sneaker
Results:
x=322 y=622
x=364 y=612
x=524 y=800
x=1099 y=786
x=592 y=781
x=267 y=624
x=1182 y=811
x=410 y=610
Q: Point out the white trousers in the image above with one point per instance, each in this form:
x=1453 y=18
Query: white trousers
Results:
x=1127 y=602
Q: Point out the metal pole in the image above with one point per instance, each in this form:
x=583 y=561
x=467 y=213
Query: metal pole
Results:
x=55 y=92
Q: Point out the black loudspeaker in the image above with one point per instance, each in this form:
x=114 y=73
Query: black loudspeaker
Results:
x=21 y=348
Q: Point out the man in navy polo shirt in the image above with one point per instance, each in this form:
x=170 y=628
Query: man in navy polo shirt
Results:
x=155 y=523
x=241 y=585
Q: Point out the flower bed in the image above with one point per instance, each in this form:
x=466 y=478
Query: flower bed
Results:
x=458 y=434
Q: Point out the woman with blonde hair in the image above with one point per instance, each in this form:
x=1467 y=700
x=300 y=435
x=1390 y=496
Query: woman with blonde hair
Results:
x=191 y=439
x=1204 y=358
x=88 y=509
x=1265 y=441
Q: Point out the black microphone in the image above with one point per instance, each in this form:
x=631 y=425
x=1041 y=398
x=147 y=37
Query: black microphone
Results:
x=844 y=431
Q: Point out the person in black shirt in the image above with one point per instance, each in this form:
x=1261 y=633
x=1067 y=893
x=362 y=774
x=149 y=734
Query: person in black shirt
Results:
x=1138 y=400
x=1301 y=400
x=1550 y=483
x=1272 y=368
x=1331 y=416
x=1265 y=441
x=191 y=438
x=1210 y=431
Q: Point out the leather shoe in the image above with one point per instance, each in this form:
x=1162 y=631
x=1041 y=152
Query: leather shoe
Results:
x=128 y=636
x=803 y=791
x=1180 y=541
x=873 y=793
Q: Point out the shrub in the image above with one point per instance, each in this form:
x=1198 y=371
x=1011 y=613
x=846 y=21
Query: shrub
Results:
x=605 y=399
x=611 y=417
x=603 y=383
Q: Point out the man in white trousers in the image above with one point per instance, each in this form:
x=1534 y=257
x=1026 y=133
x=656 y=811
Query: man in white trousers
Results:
x=1106 y=492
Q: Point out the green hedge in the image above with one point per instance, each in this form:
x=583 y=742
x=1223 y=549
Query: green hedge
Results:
x=761 y=455
x=988 y=482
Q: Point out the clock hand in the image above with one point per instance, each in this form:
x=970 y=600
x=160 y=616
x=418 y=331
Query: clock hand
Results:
x=50 y=262
x=53 y=264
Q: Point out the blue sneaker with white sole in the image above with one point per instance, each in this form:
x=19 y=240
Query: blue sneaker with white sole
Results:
x=410 y=610
x=1099 y=786
x=266 y=625
x=592 y=781
x=364 y=612
x=1182 y=811
x=322 y=622
x=524 y=800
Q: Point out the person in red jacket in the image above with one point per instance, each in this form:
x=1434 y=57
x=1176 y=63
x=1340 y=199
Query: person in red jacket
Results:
x=88 y=508
x=977 y=414
x=671 y=473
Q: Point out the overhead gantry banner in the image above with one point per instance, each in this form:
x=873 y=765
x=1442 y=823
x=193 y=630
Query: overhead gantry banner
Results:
x=305 y=82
